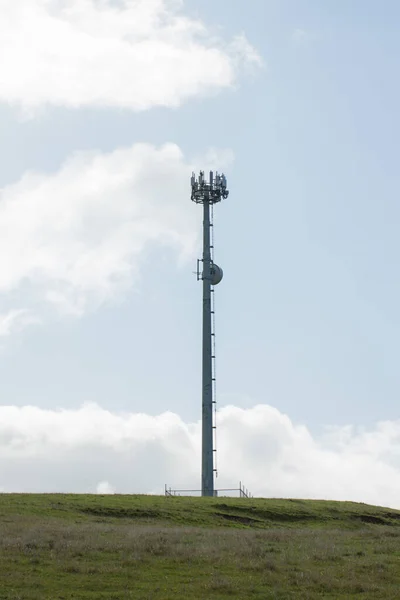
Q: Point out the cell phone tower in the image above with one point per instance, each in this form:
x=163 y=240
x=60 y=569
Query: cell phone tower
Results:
x=208 y=193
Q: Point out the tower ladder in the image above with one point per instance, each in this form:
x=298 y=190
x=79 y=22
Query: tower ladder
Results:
x=213 y=348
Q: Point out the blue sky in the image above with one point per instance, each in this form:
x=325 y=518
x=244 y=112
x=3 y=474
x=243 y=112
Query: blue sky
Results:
x=307 y=313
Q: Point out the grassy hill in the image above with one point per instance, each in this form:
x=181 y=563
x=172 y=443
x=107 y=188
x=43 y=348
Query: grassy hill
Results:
x=149 y=547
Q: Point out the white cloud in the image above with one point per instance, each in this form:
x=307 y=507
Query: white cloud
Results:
x=104 y=487
x=15 y=320
x=75 y=238
x=299 y=35
x=132 y=54
x=72 y=450
x=302 y=36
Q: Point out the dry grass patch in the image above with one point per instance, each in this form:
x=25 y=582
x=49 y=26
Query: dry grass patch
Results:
x=97 y=559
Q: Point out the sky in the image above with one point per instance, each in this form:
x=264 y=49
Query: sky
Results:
x=106 y=107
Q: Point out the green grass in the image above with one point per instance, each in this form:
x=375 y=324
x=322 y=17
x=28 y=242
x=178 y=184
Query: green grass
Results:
x=55 y=547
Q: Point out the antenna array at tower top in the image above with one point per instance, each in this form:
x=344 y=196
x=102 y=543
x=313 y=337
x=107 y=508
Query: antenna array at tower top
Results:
x=211 y=191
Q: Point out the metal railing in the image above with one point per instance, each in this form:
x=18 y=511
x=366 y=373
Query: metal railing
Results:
x=242 y=491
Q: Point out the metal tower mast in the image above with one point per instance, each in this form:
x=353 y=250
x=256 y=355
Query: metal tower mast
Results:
x=208 y=193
